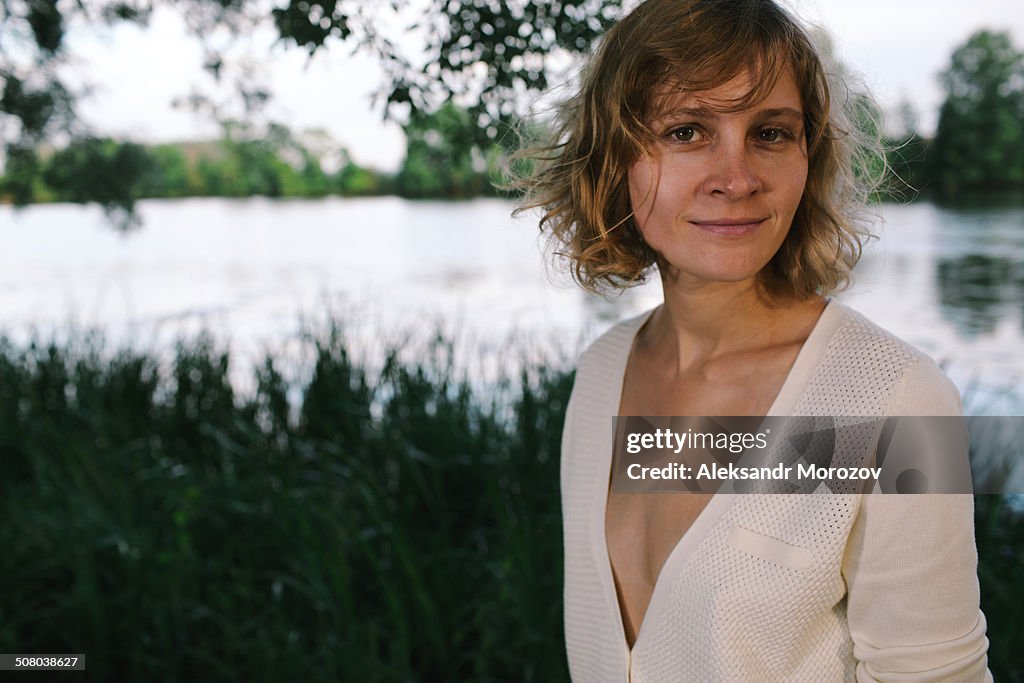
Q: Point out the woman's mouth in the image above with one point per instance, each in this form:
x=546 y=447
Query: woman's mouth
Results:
x=729 y=227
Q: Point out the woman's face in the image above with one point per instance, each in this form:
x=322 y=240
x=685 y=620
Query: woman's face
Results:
x=717 y=194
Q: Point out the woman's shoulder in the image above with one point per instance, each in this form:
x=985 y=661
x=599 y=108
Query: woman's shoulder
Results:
x=612 y=347
x=878 y=371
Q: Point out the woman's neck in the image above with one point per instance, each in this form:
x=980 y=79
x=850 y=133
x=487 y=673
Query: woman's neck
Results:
x=711 y=320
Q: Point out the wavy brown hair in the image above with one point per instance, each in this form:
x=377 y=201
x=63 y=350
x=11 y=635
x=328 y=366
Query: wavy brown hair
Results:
x=578 y=178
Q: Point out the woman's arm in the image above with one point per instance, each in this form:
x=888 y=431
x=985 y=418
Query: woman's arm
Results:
x=911 y=570
x=913 y=599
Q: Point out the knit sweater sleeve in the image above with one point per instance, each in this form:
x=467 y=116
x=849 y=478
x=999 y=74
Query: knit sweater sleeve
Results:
x=911 y=569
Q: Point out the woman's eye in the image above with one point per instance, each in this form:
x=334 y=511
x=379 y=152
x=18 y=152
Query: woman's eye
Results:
x=684 y=134
x=771 y=135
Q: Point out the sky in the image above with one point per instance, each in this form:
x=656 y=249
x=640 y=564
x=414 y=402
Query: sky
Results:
x=898 y=46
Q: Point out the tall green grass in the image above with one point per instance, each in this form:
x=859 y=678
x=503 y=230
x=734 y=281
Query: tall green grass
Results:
x=389 y=525
x=395 y=529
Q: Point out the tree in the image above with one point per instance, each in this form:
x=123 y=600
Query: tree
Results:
x=353 y=180
x=979 y=142
x=172 y=178
x=906 y=152
x=442 y=157
x=484 y=55
x=101 y=170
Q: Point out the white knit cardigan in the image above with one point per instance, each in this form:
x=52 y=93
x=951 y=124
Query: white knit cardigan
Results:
x=777 y=587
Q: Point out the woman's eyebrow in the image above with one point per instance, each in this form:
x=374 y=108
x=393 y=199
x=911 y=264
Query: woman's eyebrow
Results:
x=784 y=112
x=687 y=112
x=702 y=113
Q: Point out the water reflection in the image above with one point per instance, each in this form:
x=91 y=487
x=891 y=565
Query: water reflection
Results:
x=976 y=291
x=979 y=267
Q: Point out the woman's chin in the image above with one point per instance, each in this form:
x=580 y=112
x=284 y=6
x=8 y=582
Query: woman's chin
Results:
x=711 y=274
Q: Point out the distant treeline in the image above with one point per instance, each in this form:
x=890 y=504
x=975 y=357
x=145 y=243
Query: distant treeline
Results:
x=978 y=147
x=443 y=159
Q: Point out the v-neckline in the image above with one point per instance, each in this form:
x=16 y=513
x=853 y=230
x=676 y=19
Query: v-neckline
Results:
x=785 y=400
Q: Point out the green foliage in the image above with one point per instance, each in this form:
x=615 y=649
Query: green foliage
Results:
x=356 y=181
x=515 y=42
x=35 y=108
x=908 y=167
x=869 y=162
x=389 y=525
x=100 y=170
x=173 y=530
x=278 y=164
x=47 y=24
x=497 y=50
x=308 y=27
x=1000 y=535
x=22 y=171
x=173 y=177
x=443 y=157
x=979 y=144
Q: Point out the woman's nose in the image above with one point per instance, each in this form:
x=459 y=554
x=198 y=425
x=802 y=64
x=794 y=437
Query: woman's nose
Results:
x=731 y=173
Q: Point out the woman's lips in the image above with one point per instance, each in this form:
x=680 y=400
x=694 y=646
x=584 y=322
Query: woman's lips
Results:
x=729 y=226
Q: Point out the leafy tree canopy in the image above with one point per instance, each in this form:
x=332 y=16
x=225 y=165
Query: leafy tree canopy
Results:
x=440 y=159
x=979 y=142
x=488 y=53
x=485 y=55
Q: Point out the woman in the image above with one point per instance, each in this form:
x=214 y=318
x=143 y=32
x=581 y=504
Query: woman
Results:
x=705 y=142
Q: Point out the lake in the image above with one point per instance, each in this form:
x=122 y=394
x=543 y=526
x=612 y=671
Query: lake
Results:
x=252 y=271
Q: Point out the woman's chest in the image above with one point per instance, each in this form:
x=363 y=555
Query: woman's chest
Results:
x=641 y=531
x=743 y=385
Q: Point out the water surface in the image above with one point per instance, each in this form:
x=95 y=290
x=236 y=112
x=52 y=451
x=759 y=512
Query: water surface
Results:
x=950 y=281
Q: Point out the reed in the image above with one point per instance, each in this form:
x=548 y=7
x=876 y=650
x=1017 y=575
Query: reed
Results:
x=389 y=524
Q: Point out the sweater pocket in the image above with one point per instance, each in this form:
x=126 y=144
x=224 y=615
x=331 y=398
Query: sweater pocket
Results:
x=771 y=549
